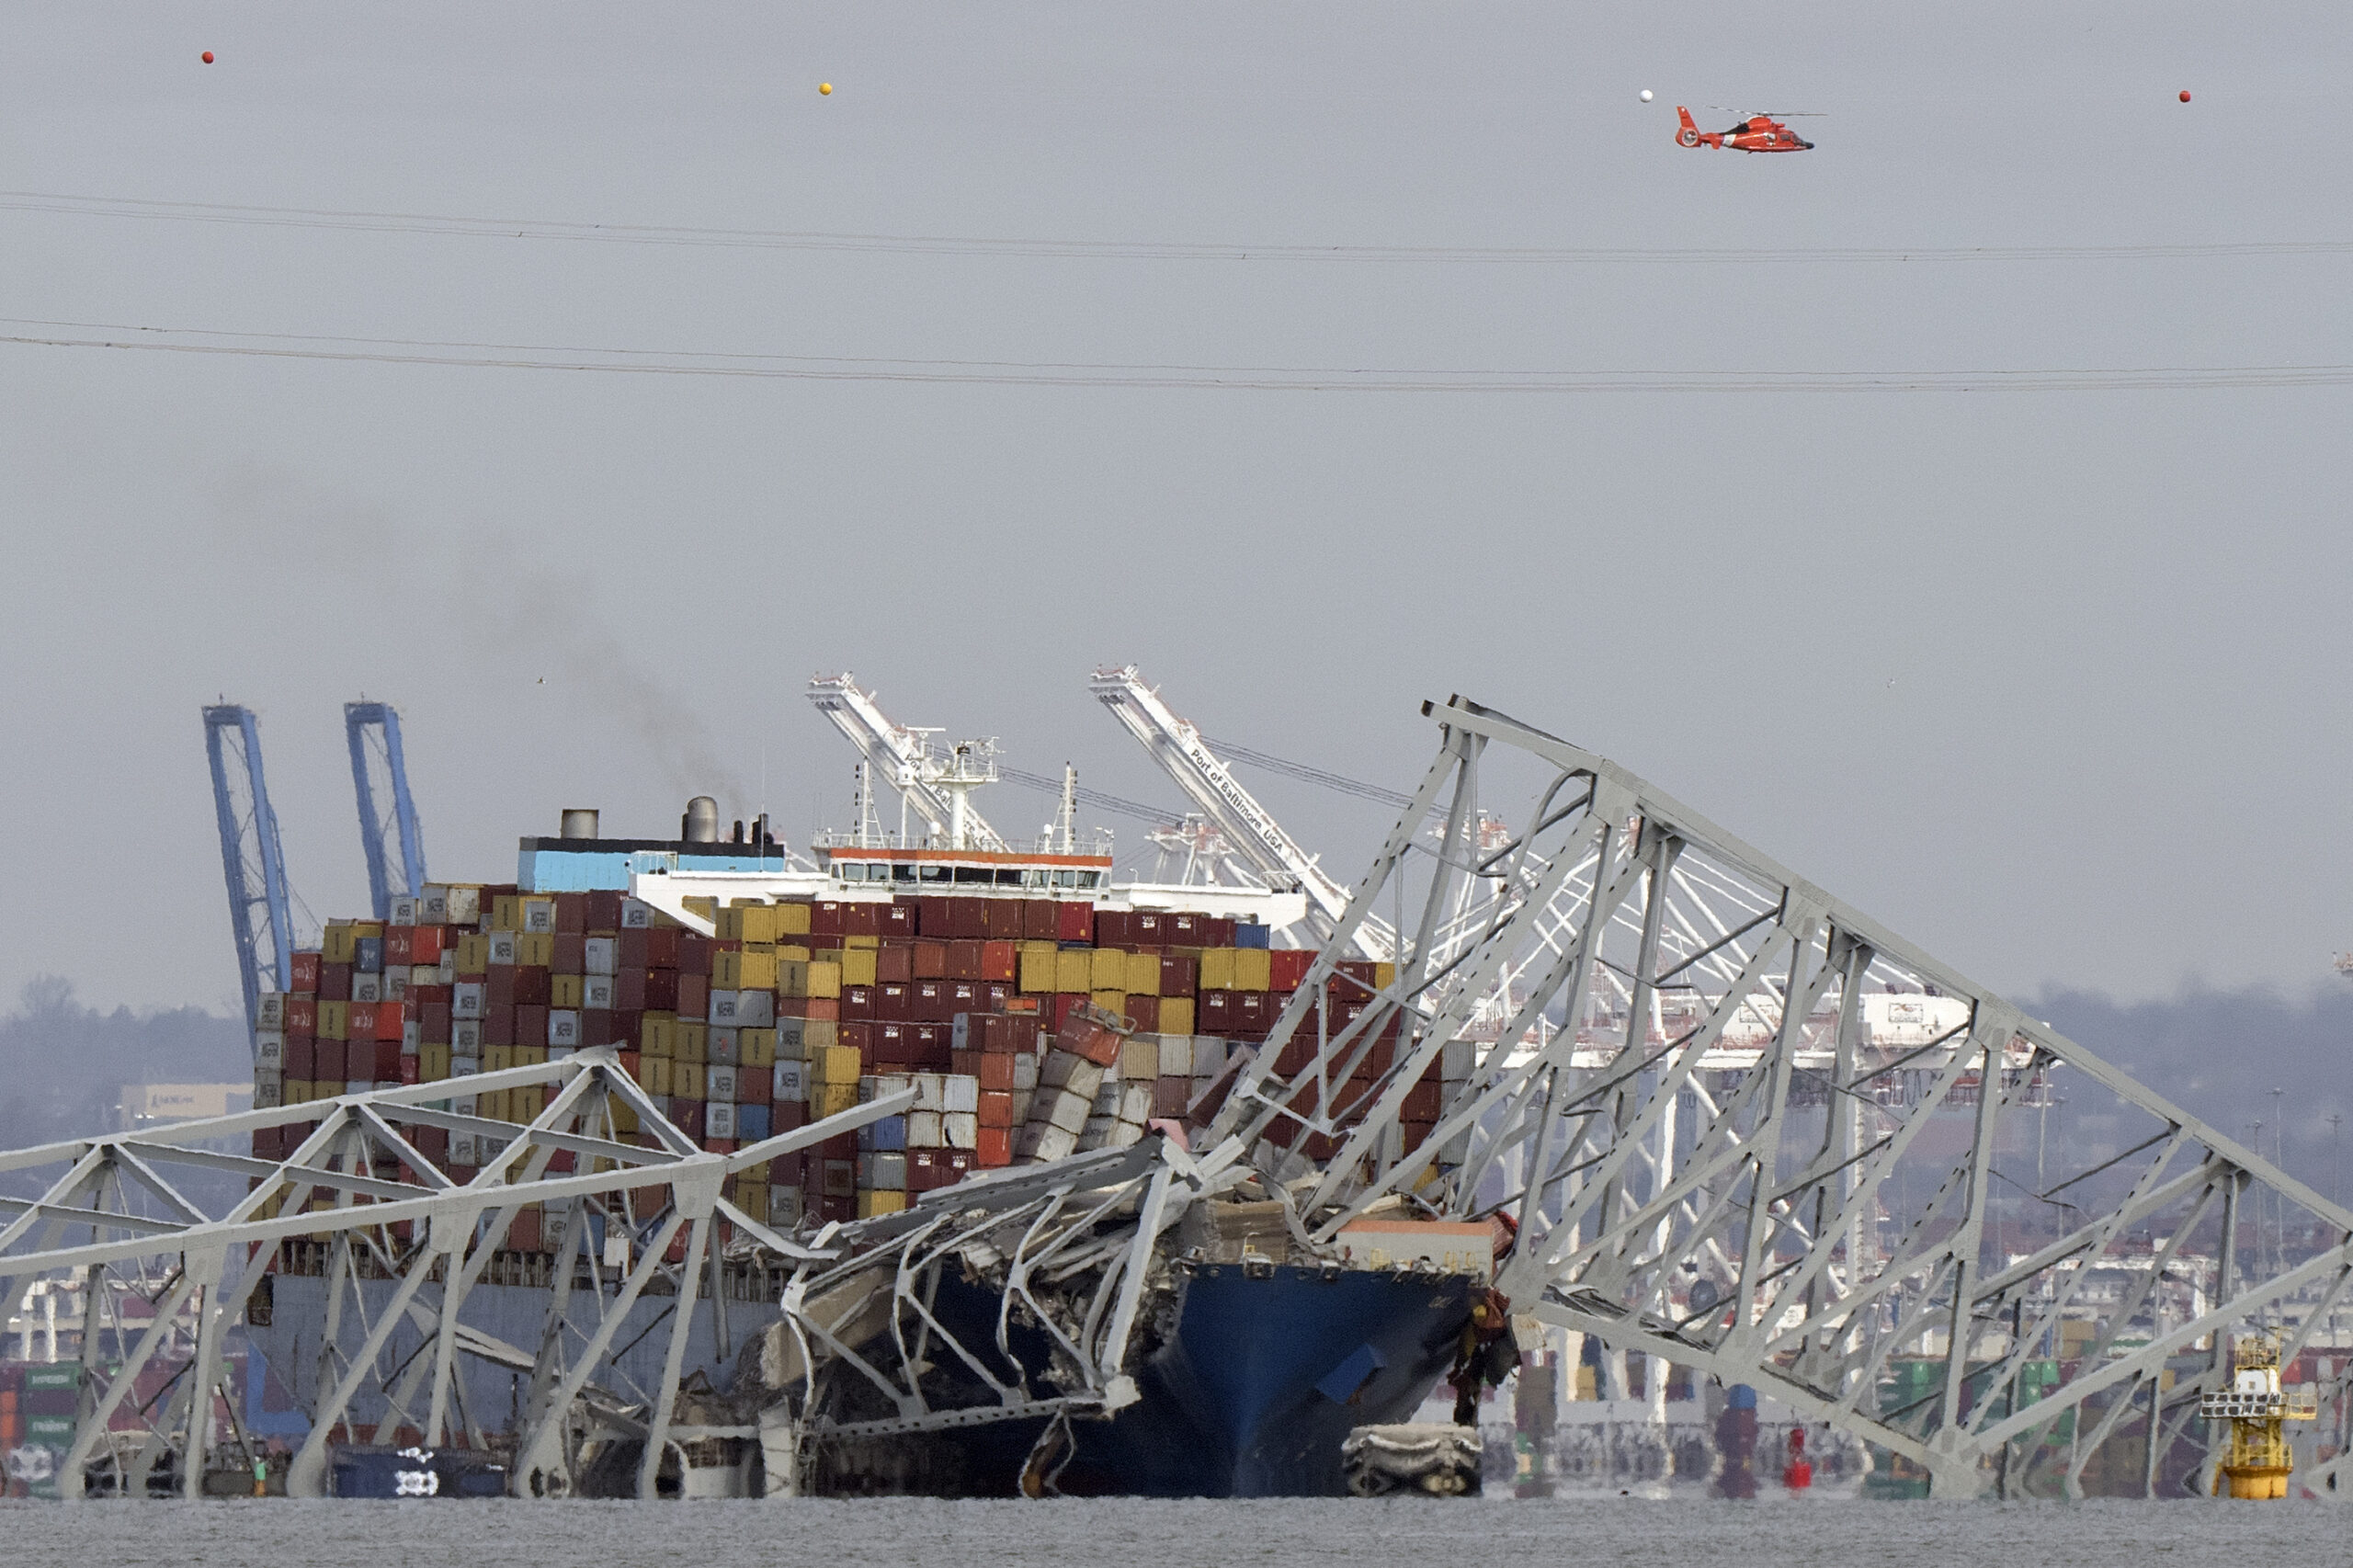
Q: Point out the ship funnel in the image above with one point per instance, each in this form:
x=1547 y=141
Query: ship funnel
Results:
x=579 y=823
x=700 y=825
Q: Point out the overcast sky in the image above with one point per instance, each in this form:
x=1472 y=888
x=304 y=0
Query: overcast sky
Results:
x=2049 y=682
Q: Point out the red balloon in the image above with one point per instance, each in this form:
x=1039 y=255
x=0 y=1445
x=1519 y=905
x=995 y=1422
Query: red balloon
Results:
x=208 y=60
x=2185 y=95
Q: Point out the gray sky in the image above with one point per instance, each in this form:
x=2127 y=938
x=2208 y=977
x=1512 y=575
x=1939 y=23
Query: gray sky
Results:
x=2047 y=681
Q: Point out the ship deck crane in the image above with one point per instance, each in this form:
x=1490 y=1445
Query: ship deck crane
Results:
x=1249 y=829
x=388 y=825
x=936 y=788
x=260 y=909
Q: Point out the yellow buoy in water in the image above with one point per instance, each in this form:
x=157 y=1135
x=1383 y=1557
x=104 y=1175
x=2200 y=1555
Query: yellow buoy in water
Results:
x=826 y=88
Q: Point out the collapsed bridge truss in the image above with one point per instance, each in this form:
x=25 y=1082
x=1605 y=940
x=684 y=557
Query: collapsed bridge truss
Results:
x=1738 y=1126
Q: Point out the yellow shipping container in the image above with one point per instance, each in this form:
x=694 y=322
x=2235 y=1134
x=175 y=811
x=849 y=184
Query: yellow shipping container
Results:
x=690 y=1040
x=657 y=1035
x=751 y=1195
x=1143 y=974
x=432 y=1063
x=756 y=1171
x=825 y=979
x=835 y=1064
x=792 y=977
x=339 y=943
x=1385 y=976
x=624 y=1115
x=746 y=970
x=653 y=1074
x=473 y=952
x=747 y=923
x=858 y=966
x=687 y=1080
x=1176 y=1015
x=791 y=952
x=1252 y=970
x=831 y=1099
x=1040 y=967
x=696 y=904
x=870 y=1204
x=1075 y=970
x=759 y=1046
x=564 y=990
x=1217 y=969
x=1112 y=1002
x=792 y=920
x=536 y=949
x=491 y=1105
x=334 y=1020
x=530 y=1056
x=506 y=912
x=1109 y=969
x=497 y=1058
x=297 y=1091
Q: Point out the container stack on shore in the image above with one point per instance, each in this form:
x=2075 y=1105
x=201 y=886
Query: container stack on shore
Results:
x=1029 y=1029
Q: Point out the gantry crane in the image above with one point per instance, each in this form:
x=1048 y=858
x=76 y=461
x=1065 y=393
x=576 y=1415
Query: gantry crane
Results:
x=1248 y=828
x=388 y=823
x=936 y=788
x=260 y=912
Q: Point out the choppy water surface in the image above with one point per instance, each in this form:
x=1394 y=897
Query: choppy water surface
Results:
x=910 y=1533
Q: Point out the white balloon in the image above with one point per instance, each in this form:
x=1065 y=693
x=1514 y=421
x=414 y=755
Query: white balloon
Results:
x=1646 y=94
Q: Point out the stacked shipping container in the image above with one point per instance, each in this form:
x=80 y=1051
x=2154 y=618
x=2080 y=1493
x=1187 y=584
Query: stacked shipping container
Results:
x=1027 y=1027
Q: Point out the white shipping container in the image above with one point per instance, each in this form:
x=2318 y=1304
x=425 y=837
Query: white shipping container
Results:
x=502 y=947
x=1455 y=1058
x=784 y=1207
x=564 y=1027
x=538 y=914
x=960 y=1094
x=596 y=991
x=928 y=1090
x=1047 y=1143
x=269 y=1010
x=368 y=987
x=464 y=1148
x=1106 y=1098
x=1066 y=1109
x=433 y=904
x=1025 y=1073
x=359 y=1087
x=1140 y=1056
x=269 y=1048
x=1176 y=1056
x=403 y=909
x=719 y=1119
x=446 y=972
x=1067 y=1070
x=424 y=974
x=411 y=1036
x=719 y=1084
x=723 y=1008
x=1022 y=1099
x=960 y=1130
x=464 y=903
x=1123 y=1134
x=601 y=955
x=469 y=999
x=960 y=1032
x=1135 y=1103
x=923 y=1130
x=882 y=1172
x=790 y=1082
x=465 y=1038
x=755 y=1009
x=395 y=984
x=724 y=1044
x=464 y=1067
x=269 y=1092
x=636 y=915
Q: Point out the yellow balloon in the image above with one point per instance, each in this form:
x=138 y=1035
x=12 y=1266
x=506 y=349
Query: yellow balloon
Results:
x=825 y=87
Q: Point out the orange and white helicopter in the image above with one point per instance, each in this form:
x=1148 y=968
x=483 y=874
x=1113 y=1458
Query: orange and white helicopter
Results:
x=1757 y=133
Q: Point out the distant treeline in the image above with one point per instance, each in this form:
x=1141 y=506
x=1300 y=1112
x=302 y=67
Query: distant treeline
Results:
x=64 y=1064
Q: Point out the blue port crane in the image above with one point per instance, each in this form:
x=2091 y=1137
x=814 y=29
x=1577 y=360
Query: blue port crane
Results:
x=388 y=826
x=260 y=911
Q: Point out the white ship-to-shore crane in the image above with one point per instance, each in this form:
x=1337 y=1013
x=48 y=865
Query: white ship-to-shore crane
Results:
x=939 y=788
x=1248 y=828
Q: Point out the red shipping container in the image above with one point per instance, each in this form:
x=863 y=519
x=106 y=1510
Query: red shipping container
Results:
x=894 y=964
x=604 y=910
x=889 y=1044
x=360 y=1022
x=570 y=912
x=1001 y=919
x=1255 y=1013
x=687 y=1117
x=630 y=1062
x=967 y=918
x=1073 y=922
x=302 y=1016
x=898 y=919
x=754 y=1086
x=427 y=943
x=897 y=1003
x=628 y=991
x=965 y=997
x=1216 y=1014
x=393 y=1019
x=1084 y=1037
x=327 y=1066
x=498 y=986
x=862 y=919
x=1039 y=923
x=786 y=1170
x=523 y=1232
x=1000 y=961
x=532 y=986
x=531 y=1025
x=931 y=917
x=570 y=954
x=498 y=1025
x=694 y=953
x=996 y=1106
x=1112 y=927
x=661 y=987
x=1287 y=968
x=602 y=1026
x=405 y=1069
x=963 y=961
x=788 y=1116
x=335 y=983
x=301 y=1058
x=928 y=1002
x=825 y=918
x=992 y=1147
x=843 y=1208
x=928 y=960
x=932 y=1045
x=1179 y=976
x=1422 y=1102
x=426 y=993
x=694 y=996
x=997 y=997
x=396 y=945
x=857 y=1003
x=1171 y=1095
x=1065 y=1003
x=302 y=973
x=821 y=1007
x=1148 y=927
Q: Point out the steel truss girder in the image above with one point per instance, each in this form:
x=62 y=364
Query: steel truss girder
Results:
x=111 y=1216
x=1641 y=952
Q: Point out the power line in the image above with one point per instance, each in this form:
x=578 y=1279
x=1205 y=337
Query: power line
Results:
x=1213 y=378
x=1114 y=250
x=1095 y=798
x=1338 y=782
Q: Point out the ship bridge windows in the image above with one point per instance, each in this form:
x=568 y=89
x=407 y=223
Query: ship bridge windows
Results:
x=903 y=873
x=1008 y=876
x=969 y=874
x=1066 y=878
x=933 y=873
x=1090 y=879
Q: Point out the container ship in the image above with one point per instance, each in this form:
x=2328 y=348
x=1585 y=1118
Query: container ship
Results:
x=987 y=1291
